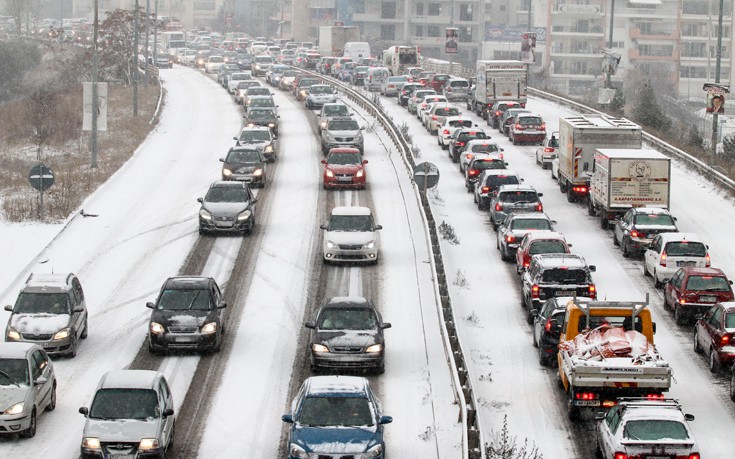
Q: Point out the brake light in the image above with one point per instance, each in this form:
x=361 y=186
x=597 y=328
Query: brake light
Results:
x=525 y=264
x=459 y=144
x=634 y=233
x=620 y=456
x=445 y=132
x=662 y=261
x=706 y=260
x=433 y=117
x=694 y=456
x=472 y=172
x=497 y=113
x=548 y=150
x=468 y=156
x=547 y=327
x=579 y=189
x=724 y=340
x=543 y=126
x=585 y=396
x=485 y=189
x=655 y=396
x=539 y=207
x=518 y=127
x=592 y=291
x=498 y=207
x=510 y=239
x=534 y=291
x=423 y=105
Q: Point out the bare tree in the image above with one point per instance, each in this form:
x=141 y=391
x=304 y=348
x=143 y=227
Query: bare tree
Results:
x=16 y=9
x=40 y=116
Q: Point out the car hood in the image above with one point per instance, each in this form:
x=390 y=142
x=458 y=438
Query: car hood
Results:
x=39 y=324
x=261 y=144
x=347 y=338
x=344 y=133
x=188 y=318
x=10 y=395
x=246 y=167
x=121 y=430
x=335 y=439
x=225 y=209
x=350 y=237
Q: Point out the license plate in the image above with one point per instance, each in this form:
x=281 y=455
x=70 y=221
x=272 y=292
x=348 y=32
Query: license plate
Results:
x=658 y=457
x=586 y=403
x=344 y=179
x=182 y=339
x=707 y=299
x=224 y=224
x=121 y=456
x=686 y=263
x=565 y=293
x=47 y=345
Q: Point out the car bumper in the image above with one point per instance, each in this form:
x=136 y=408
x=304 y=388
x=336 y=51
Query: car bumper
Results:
x=351 y=256
x=14 y=423
x=99 y=454
x=358 y=145
x=183 y=341
x=255 y=180
x=726 y=355
x=391 y=92
x=529 y=137
x=547 y=159
x=347 y=361
x=352 y=183
x=53 y=347
x=228 y=225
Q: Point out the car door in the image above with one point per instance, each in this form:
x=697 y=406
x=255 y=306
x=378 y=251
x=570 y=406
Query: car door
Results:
x=166 y=401
x=672 y=289
x=41 y=367
x=703 y=333
x=712 y=328
x=652 y=254
x=81 y=306
x=607 y=430
x=621 y=225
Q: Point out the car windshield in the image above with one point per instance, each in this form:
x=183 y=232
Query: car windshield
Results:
x=653 y=219
x=343 y=125
x=243 y=156
x=14 y=371
x=261 y=114
x=655 y=430
x=246 y=84
x=459 y=84
x=547 y=247
x=518 y=197
x=565 y=276
x=184 y=300
x=530 y=224
x=42 y=303
x=124 y=404
x=222 y=194
x=320 y=90
x=336 y=110
x=264 y=102
x=344 y=158
x=306 y=82
x=709 y=283
x=240 y=76
x=290 y=73
x=485 y=148
x=259 y=135
x=263 y=59
x=347 y=319
x=351 y=223
x=685 y=249
x=335 y=411
x=216 y=59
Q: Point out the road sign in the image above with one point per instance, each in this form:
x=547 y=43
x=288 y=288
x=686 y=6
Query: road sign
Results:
x=41 y=177
x=426 y=175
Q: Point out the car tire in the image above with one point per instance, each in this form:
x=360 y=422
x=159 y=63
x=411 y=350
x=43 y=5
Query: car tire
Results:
x=712 y=363
x=598 y=449
x=537 y=161
x=73 y=352
x=52 y=403
x=657 y=283
x=30 y=432
x=679 y=316
x=732 y=385
x=624 y=248
x=381 y=369
x=645 y=270
x=171 y=437
x=695 y=342
x=85 y=332
x=152 y=349
x=542 y=360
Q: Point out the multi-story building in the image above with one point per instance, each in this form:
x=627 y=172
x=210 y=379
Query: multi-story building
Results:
x=191 y=13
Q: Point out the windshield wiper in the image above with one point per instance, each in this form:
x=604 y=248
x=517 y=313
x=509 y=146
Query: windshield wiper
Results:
x=195 y=298
x=10 y=378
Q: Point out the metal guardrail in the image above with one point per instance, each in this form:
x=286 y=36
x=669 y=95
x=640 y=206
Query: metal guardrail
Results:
x=472 y=436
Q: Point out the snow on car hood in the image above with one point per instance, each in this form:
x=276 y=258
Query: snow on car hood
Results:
x=341 y=338
x=225 y=209
x=39 y=324
x=12 y=394
x=350 y=237
x=121 y=430
x=188 y=318
x=335 y=439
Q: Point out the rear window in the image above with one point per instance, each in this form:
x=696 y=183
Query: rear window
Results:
x=461 y=123
x=529 y=121
x=472 y=135
x=459 y=84
x=518 y=196
x=655 y=430
x=488 y=164
x=546 y=247
x=709 y=283
x=565 y=276
x=495 y=181
x=447 y=112
x=530 y=224
x=685 y=249
x=485 y=148
x=654 y=219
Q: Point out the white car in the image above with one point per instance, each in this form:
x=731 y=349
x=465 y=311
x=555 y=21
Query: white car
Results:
x=555 y=168
x=548 y=150
x=213 y=64
x=424 y=105
x=641 y=428
x=447 y=128
x=436 y=115
x=236 y=78
x=476 y=148
x=351 y=235
x=670 y=251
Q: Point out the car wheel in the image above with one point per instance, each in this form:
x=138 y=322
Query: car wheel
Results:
x=171 y=437
x=73 y=351
x=152 y=349
x=30 y=432
x=732 y=385
x=85 y=332
x=645 y=270
x=657 y=283
x=679 y=316
x=537 y=160
x=542 y=360
x=381 y=369
x=598 y=449
x=697 y=347
x=713 y=364
x=624 y=247
x=52 y=402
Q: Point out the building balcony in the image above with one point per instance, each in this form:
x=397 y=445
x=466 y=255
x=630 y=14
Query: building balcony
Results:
x=433 y=20
x=635 y=33
x=576 y=53
x=321 y=4
x=375 y=17
x=570 y=31
x=651 y=13
x=428 y=41
x=571 y=75
x=634 y=54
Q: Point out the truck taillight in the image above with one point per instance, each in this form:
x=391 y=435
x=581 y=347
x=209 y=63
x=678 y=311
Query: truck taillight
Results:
x=655 y=396
x=706 y=260
x=472 y=172
x=585 y=396
x=592 y=291
x=662 y=261
x=510 y=239
x=498 y=208
x=539 y=207
x=579 y=189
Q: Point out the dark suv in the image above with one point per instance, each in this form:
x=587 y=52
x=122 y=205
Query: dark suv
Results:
x=50 y=311
x=459 y=139
x=635 y=230
x=497 y=110
x=552 y=275
x=511 y=199
x=547 y=328
x=188 y=314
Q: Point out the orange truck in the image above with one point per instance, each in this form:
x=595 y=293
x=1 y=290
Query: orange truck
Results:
x=606 y=351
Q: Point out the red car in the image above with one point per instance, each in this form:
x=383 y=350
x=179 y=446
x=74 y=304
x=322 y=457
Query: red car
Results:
x=344 y=168
x=537 y=242
x=436 y=81
x=714 y=334
x=693 y=291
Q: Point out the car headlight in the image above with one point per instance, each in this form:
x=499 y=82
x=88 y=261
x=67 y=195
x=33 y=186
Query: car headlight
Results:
x=374 y=348
x=257 y=67
x=329 y=173
x=226 y=172
x=156 y=328
x=61 y=334
x=244 y=215
x=358 y=136
x=375 y=451
x=319 y=348
x=331 y=245
x=328 y=135
x=15 y=409
x=295 y=450
x=268 y=149
x=369 y=245
x=12 y=335
x=360 y=173
x=271 y=125
x=209 y=328
x=91 y=443
x=147 y=444
x=303 y=93
x=258 y=172
x=323 y=124
x=204 y=215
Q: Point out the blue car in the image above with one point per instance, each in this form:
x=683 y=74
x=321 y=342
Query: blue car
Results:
x=276 y=72
x=336 y=414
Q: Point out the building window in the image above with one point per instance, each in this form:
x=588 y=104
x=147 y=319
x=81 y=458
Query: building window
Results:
x=579 y=68
x=435 y=9
x=465 y=12
x=388 y=10
x=419 y=9
x=465 y=34
x=582 y=26
x=433 y=31
x=656 y=50
x=388 y=31
x=419 y=31
x=204 y=6
x=502 y=8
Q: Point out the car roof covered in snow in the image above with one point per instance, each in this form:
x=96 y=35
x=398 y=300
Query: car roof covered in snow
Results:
x=351 y=210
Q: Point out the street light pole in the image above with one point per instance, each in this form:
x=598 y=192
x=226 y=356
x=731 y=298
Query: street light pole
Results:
x=718 y=62
x=135 y=59
x=95 y=102
x=147 y=35
x=451 y=24
x=528 y=65
x=608 y=78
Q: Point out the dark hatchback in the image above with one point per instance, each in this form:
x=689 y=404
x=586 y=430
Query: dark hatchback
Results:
x=245 y=164
x=547 y=327
x=228 y=207
x=262 y=117
x=336 y=417
x=347 y=334
x=188 y=315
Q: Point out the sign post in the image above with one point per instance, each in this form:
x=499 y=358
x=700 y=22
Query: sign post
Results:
x=41 y=178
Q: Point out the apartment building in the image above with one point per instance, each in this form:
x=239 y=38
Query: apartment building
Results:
x=191 y=13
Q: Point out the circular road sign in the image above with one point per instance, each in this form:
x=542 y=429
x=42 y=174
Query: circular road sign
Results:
x=41 y=177
x=426 y=175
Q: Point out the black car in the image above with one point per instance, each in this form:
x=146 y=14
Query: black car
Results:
x=459 y=139
x=245 y=164
x=187 y=315
x=638 y=226
x=547 y=324
x=347 y=333
x=407 y=91
x=228 y=207
x=262 y=117
x=552 y=275
x=497 y=110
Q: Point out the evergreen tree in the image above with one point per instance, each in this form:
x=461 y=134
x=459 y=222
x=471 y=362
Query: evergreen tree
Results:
x=728 y=146
x=617 y=105
x=647 y=112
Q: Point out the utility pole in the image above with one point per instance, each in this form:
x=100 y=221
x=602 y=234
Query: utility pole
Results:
x=528 y=65
x=718 y=62
x=147 y=35
x=608 y=78
x=135 y=58
x=155 y=33
x=95 y=102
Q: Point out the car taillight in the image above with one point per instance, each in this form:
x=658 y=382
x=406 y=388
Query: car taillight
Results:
x=539 y=207
x=619 y=455
x=548 y=150
x=445 y=132
x=547 y=327
x=498 y=207
x=472 y=172
x=526 y=264
x=634 y=233
x=485 y=189
x=706 y=260
x=655 y=396
x=423 y=105
x=459 y=144
x=662 y=261
x=694 y=456
x=592 y=291
x=497 y=113
x=510 y=239
x=534 y=291
x=543 y=126
x=725 y=340
x=468 y=156
x=519 y=127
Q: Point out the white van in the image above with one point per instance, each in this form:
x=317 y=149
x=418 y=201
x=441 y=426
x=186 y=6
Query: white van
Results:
x=356 y=50
x=375 y=76
x=258 y=47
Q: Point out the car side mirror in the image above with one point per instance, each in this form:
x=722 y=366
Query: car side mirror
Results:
x=364 y=161
x=539 y=195
x=523 y=180
x=385 y=420
x=254 y=200
x=40 y=381
x=235 y=138
x=200 y=199
x=323 y=227
x=310 y=325
x=79 y=308
x=168 y=412
x=149 y=305
x=698 y=317
x=362 y=128
x=689 y=417
x=505 y=162
x=599 y=416
x=653 y=326
x=593 y=268
x=378 y=227
x=324 y=161
x=730 y=282
x=10 y=308
x=84 y=410
x=534 y=312
x=287 y=418
x=386 y=325
x=222 y=305
x=222 y=160
x=569 y=245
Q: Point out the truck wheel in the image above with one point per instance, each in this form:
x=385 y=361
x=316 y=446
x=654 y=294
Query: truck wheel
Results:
x=570 y=194
x=562 y=184
x=590 y=208
x=572 y=411
x=604 y=224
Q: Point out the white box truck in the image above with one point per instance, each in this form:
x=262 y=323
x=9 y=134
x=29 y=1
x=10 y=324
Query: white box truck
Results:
x=625 y=178
x=498 y=80
x=332 y=39
x=579 y=137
